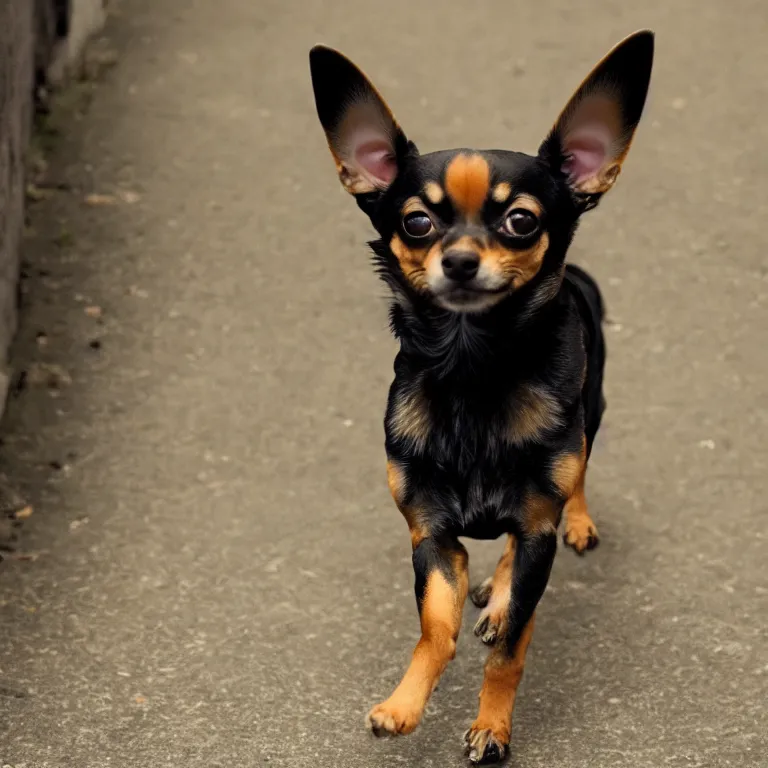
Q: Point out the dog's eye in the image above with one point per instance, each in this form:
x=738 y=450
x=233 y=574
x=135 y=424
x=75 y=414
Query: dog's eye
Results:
x=417 y=224
x=520 y=223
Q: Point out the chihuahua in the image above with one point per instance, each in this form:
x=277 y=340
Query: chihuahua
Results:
x=497 y=394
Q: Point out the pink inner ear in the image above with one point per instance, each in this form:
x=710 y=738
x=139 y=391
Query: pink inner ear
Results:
x=376 y=158
x=587 y=150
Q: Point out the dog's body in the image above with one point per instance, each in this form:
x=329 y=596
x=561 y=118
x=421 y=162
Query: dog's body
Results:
x=497 y=394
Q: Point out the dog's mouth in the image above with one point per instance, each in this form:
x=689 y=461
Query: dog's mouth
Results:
x=469 y=298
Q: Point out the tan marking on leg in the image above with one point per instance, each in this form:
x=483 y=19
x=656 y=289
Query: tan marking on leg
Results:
x=568 y=468
x=434 y=192
x=492 y=624
x=532 y=412
x=397 y=482
x=541 y=514
x=580 y=530
x=491 y=730
x=501 y=192
x=569 y=474
x=418 y=532
x=466 y=181
x=440 y=623
x=566 y=472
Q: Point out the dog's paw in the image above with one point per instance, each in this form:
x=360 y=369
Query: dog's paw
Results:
x=481 y=594
x=581 y=535
x=490 y=626
x=391 y=718
x=483 y=746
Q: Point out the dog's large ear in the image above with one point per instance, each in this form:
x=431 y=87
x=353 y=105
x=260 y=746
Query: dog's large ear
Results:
x=364 y=138
x=591 y=137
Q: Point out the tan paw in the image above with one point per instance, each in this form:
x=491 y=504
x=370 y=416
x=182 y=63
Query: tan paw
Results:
x=581 y=534
x=391 y=718
x=486 y=745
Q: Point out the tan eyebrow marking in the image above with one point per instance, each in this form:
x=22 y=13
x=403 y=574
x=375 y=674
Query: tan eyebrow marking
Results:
x=433 y=192
x=501 y=192
x=413 y=204
x=467 y=178
x=529 y=203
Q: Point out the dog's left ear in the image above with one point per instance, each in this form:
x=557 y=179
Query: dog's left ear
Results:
x=363 y=136
x=591 y=137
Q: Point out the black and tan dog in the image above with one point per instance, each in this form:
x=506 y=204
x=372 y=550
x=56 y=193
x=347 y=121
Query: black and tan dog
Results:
x=498 y=384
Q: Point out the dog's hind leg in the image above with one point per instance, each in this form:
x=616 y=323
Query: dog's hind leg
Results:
x=580 y=530
x=487 y=740
x=534 y=552
x=493 y=595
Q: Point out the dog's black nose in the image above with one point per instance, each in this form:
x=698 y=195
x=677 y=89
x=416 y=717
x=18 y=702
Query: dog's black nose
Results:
x=460 y=266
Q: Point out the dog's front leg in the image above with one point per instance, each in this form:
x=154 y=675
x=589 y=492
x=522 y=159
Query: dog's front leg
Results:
x=440 y=565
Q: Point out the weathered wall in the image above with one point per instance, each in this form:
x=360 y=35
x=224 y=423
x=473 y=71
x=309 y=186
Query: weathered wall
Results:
x=16 y=88
x=40 y=40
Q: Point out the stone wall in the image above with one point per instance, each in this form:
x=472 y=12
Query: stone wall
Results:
x=41 y=41
x=17 y=41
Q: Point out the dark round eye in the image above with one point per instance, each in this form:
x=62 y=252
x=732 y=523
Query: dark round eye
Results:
x=520 y=223
x=417 y=224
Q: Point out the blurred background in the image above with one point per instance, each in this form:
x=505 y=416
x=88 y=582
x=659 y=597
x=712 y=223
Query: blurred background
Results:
x=202 y=564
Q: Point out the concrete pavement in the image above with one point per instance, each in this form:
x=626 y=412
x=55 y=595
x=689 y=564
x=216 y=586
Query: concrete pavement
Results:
x=219 y=577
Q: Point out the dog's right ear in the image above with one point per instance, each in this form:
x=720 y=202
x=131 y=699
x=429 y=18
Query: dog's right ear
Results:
x=365 y=141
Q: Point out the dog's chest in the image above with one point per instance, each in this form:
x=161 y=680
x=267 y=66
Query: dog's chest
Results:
x=478 y=424
x=480 y=474
x=472 y=453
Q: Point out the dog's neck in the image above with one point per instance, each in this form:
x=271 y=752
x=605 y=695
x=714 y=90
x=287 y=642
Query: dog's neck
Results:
x=470 y=346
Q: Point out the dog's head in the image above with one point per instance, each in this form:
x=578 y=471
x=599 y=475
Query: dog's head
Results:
x=466 y=228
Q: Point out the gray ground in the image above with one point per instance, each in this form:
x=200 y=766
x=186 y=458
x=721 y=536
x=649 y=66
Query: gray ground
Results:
x=220 y=577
